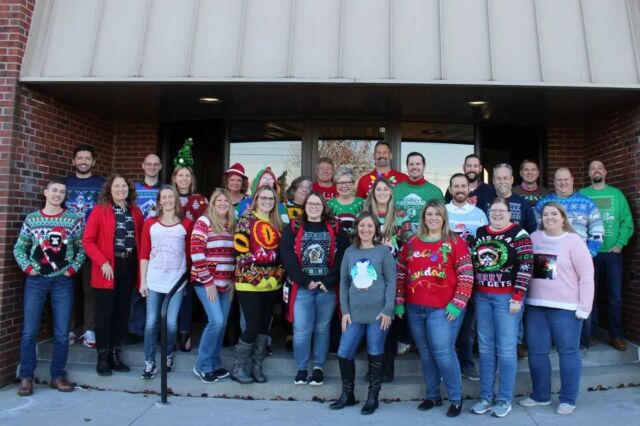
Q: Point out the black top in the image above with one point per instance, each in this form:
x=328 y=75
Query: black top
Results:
x=125 y=236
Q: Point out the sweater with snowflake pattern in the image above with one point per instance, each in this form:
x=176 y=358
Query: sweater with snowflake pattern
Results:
x=212 y=256
x=194 y=206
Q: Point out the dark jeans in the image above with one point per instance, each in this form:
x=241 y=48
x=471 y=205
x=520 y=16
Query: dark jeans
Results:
x=186 y=309
x=83 y=280
x=138 y=313
x=112 y=306
x=257 y=307
x=608 y=274
x=35 y=295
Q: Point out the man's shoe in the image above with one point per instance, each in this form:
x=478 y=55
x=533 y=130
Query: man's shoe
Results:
x=317 y=377
x=116 y=363
x=102 y=366
x=133 y=339
x=62 y=384
x=619 y=344
x=428 y=404
x=221 y=373
x=481 y=407
x=301 y=377
x=471 y=374
x=530 y=402
x=501 y=409
x=522 y=351
x=26 y=387
x=454 y=410
x=88 y=339
x=205 y=377
x=564 y=408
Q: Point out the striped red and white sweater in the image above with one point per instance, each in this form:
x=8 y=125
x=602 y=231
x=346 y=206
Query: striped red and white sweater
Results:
x=212 y=255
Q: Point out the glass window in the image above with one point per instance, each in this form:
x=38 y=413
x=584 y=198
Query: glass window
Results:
x=350 y=145
x=444 y=147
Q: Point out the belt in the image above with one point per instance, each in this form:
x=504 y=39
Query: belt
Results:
x=123 y=254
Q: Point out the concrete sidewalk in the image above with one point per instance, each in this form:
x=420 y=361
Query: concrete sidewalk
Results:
x=94 y=407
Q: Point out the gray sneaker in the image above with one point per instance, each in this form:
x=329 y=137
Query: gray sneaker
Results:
x=482 y=406
x=530 y=402
x=471 y=374
x=501 y=409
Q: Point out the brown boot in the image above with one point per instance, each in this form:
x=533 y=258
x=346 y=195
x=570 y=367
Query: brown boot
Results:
x=26 y=387
x=619 y=344
x=62 y=384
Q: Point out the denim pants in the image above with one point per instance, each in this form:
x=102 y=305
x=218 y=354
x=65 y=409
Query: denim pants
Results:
x=312 y=314
x=154 y=306
x=353 y=335
x=211 y=341
x=497 y=343
x=608 y=274
x=467 y=337
x=435 y=338
x=137 y=315
x=560 y=326
x=184 y=318
x=36 y=290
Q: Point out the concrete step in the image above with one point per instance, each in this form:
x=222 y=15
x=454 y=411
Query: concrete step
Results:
x=282 y=362
x=282 y=387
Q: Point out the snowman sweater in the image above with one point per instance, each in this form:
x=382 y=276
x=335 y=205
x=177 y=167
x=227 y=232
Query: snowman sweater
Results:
x=367 y=283
x=437 y=274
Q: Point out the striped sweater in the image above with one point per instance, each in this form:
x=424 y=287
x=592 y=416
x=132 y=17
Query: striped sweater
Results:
x=212 y=255
x=437 y=274
x=503 y=261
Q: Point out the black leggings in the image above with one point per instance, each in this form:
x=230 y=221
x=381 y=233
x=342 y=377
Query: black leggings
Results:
x=112 y=306
x=257 y=307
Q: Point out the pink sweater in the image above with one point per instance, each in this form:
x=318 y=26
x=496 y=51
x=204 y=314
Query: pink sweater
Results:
x=562 y=273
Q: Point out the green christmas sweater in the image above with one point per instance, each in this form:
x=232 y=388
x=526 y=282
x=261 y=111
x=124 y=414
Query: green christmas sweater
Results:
x=410 y=197
x=50 y=245
x=616 y=216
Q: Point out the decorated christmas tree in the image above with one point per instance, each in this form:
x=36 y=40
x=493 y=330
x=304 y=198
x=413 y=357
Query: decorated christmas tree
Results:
x=185 y=156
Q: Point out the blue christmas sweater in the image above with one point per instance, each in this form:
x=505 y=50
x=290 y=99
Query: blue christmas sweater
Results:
x=82 y=194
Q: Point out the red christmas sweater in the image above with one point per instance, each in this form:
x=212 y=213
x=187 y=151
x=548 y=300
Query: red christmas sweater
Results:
x=366 y=182
x=437 y=274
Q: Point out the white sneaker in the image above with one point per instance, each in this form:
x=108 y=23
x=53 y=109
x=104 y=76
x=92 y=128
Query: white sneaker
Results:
x=530 y=402
x=403 y=348
x=564 y=408
x=89 y=339
x=170 y=362
x=72 y=338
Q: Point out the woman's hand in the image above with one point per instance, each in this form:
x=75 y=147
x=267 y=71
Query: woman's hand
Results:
x=385 y=321
x=212 y=293
x=144 y=291
x=313 y=285
x=515 y=306
x=346 y=320
x=107 y=271
x=451 y=317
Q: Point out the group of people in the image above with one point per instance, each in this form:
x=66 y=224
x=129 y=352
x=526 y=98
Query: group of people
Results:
x=387 y=258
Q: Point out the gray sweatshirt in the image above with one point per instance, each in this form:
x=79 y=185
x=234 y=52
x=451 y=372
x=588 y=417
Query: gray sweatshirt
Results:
x=367 y=283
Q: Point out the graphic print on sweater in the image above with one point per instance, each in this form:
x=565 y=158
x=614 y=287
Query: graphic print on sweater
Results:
x=363 y=274
x=51 y=251
x=545 y=266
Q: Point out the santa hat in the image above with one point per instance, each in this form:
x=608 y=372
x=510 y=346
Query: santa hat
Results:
x=236 y=169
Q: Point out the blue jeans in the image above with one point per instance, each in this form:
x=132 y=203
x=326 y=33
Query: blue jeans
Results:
x=211 y=341
x=497 y=342
x=467 y=337
x=608 y=273
x=137 y=314
x=435 y=338
x=560 y=326
x=352 y=337
x=154 y=306
x=184 y=318
x=36 y=290
x=312 y=314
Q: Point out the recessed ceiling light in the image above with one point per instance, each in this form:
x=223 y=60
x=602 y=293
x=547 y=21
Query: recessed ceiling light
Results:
x=210 y=100
x=477 y=103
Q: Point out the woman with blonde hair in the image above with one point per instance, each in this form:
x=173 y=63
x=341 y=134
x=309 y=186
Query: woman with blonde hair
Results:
x=213 y=264
x=259 y=275
x=559 y=299
x=435 y=280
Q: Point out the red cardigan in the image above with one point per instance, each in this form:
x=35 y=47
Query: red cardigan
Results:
x=98 y=241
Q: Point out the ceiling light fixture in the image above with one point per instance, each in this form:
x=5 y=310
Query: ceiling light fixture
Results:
x=477 y=103
x=210 y=100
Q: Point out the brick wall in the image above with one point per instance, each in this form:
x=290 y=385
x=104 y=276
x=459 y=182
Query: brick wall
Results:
x=132 y=142
x=565 y=149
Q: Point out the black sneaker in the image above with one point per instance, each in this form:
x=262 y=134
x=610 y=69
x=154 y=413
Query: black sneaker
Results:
x=317 y=377
x=222 y=373
x=205 y=377
x=301 y=377
x=454 y=410
x=149 y=370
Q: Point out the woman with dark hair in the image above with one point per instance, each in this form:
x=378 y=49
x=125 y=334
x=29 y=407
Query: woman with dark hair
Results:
x=559 y=300
x=435 y=280
x=214 y=261
x=163 y=261
x=367 y=291
x=193 y=206
x=311 y=250
x=296 y=194
x=259 y=276
x=502 y=259
x=111 y=239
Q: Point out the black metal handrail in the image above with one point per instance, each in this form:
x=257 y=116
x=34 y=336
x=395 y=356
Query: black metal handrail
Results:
x=163 y=335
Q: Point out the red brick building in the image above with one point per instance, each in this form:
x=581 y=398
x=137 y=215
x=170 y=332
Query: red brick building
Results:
x=46 y=111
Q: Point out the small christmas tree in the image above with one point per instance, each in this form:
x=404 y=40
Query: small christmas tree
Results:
x=185 y=156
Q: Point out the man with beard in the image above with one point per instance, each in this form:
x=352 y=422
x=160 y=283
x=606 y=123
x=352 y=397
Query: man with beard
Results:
x=529 y=189
x=521 y=211
x=618 y=229
x=464 y=220
x=83 y=190
x=324 y=178
x=382 y=156
x=480 y=194
x=412 y=194
x=585 y=219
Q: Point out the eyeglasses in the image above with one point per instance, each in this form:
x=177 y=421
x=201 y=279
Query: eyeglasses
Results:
x=496 y=211
x=261 y=198
x=314 y=204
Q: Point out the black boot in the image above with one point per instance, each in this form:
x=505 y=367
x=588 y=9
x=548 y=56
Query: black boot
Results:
x=242 y=354
x=116 y=363
x=257 y=357
x=102 y=367
x=375 y=383
x=348 y=376
x=388 y=368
